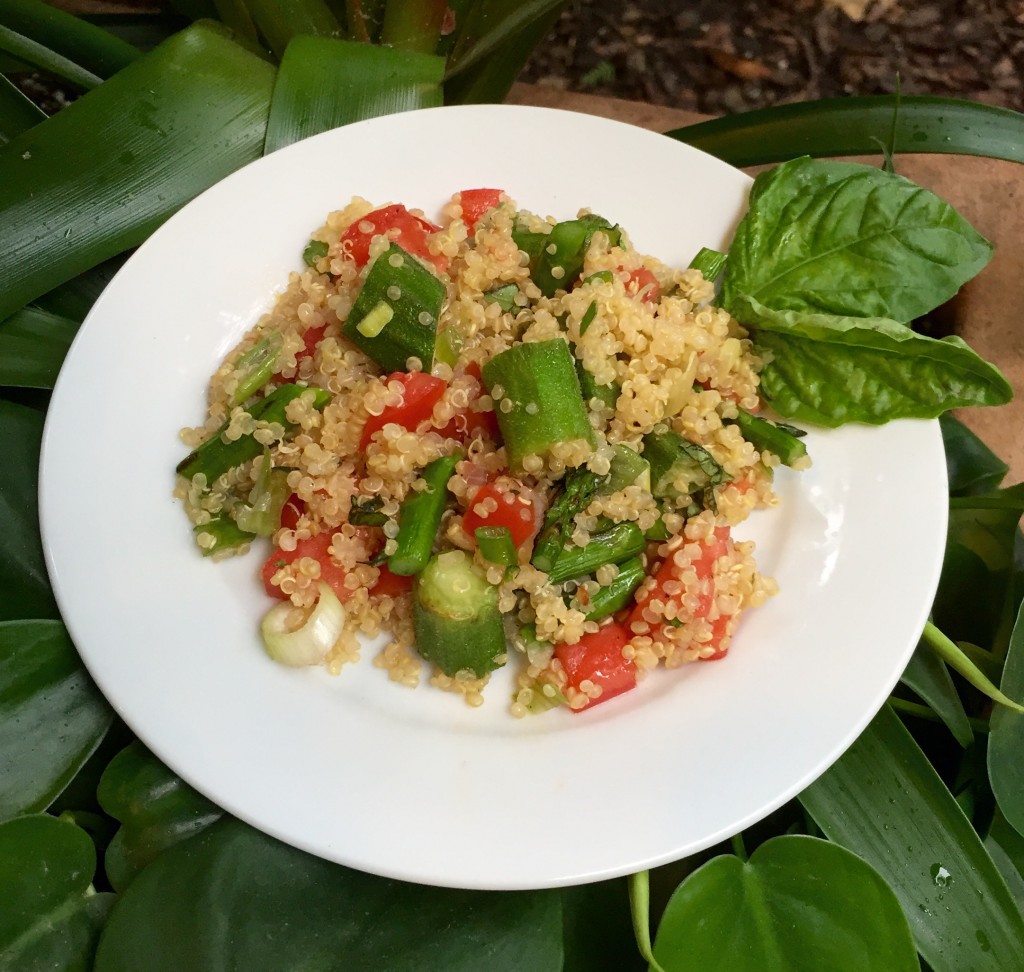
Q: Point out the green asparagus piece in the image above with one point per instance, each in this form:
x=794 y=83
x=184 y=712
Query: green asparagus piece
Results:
x=616 y=595
x=215 y=456
x=612 y=546
x=766 y=436
x=420 y=516
x=225 y=532
x=578 y=488
x=262 y=515
x=256 y=367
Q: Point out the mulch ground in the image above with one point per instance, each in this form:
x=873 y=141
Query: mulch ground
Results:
x=723 y=56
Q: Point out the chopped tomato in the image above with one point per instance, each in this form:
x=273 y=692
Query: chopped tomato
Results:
x=391 y=584
x=466 y=422
x=408 y=231
x=476 y=202
x=312 y=337
x=318 y=548
x=291 y=511
x=420 y=394
x=598 y=658
x=641 y=281
x=712 y=549
x=512 y=510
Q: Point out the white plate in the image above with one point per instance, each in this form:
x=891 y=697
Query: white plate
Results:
x=415 y=784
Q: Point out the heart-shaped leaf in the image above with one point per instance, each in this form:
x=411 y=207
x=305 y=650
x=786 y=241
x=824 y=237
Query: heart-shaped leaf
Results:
x=798 y=903
x=232 y=891
x=51 y=918
x=156 y=808
x=52 y=716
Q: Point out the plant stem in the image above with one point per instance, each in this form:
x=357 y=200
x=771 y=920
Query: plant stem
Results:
x=739 y=848
x=640 y=910
x=924 y=712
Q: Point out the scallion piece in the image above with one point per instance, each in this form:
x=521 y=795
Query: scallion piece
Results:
x=456 y=618
x=709 y=262
x=225 y=532
x=766 y=436
x=315 y=250
x=395 y=315
x=262 y=515
x=496 y=546
x=256 y=367
x=545 y=405
x=616 y=595
x=420 y=516
x=215 y=456
x=612 y=546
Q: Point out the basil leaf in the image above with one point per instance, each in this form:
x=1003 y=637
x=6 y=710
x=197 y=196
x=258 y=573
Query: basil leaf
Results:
x=829 y=370
x=849 y=239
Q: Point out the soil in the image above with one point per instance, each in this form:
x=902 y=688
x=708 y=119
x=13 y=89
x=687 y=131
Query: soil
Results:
x=724 y=56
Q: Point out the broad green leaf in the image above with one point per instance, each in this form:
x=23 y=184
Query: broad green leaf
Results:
x=856 y=126
x=884 y=801
x=928 y=676
x=33 y=344
x=156 y=809
x=798 y=903
x=183 y=116
x=23 y=580
x=830 y=370
x=17 y=113
x=851 y=240
x=75 y=298
x=39 y=56
x=326 y=83
x=280 y=21
x=232 y=893
x=413 y=25
x=1007 y=849
x=52 y=716
x=596 y=928
x=971 y=466
x=51 y=918
x=1006 y=739
x=98 y=51
x=234 y=14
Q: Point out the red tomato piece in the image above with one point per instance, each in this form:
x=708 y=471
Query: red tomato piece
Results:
x=712 y=549
x=318 y=548
x=513 y=511
x=393 y=585
x=312 y=336
x=598 y=658
x=291 y=511
x=420 y=394
x=466 y=422
x=476 y=202
x=643 y=282
x=408 y=231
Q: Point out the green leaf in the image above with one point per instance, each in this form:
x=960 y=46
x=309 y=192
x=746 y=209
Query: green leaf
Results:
x=1006 y=739
x=884 y=801
x=156 y=809
x=971 y=466
x=848 y=239
x=39 y=56
x=23 y=580
x=928 y=676
x=17 y=113
x=52 y=716
x=232 y=891
x=955 y=657
x=51 y=919
x=94 y=49
x=74 y=299
x=798 y=903
x=234 y=14
x=280 y=21
x=856 y=126
x=413 y=25
x=181 y=117
x=1007 y=849
x=326 y=83
x=830 y=370
x=33 y=344
x=596 y=927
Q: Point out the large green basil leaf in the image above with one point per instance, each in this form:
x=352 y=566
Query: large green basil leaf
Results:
x=23 y=580
x=971 y=466
x=50 y=919
x=798 y=903
x=232 y=897
x=928 y=676
x=848 y=239
x=1006 y=739
x=52 y=716
x=829 y=370
x=885 y=802
x=156 y=809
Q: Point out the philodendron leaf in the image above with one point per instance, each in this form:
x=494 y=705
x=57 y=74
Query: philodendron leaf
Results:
x=1006 y=739
x=52 y=716
x=232 y=891
x=885 y=802
x=51 y=918
x=33 y=343
x=798 y=903
x=972 y=467
x=849 y=240
x=928 y=676
x=23 y=580
x=156 y=809
x=830 y=370
x=323 y=83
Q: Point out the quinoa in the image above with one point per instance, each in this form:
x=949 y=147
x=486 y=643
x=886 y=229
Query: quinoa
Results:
x=349 y=463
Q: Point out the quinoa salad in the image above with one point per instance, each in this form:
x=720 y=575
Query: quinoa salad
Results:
x=500 y=440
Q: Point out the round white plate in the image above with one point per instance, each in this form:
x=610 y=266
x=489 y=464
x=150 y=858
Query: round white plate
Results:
x=414 y=784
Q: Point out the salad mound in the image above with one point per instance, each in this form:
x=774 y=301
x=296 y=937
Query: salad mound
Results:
x=502 y=440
